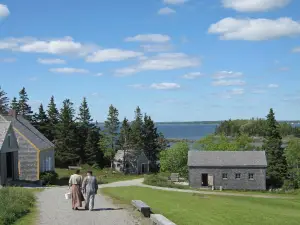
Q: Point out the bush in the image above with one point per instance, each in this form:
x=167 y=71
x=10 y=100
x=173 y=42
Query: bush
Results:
x=15 y=203
x=162 y=181
x=49 y=177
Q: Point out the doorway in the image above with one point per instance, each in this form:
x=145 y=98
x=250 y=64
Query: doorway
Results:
x=9 y=165
x=204 y=180
x=143 y=168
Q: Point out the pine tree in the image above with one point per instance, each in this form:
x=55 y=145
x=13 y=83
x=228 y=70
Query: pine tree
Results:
x=14 y=105
x=40 y=121
x=92 y=151
x=53 y=116
x=84 y=122
x=23 y=108
x=137 y=131
x=277 y=166
x=66 y=140
x=124 y=140
x=162 y=142
x=111 y=126
x=3 y=102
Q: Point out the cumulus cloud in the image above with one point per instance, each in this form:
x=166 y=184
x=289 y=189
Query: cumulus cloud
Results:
x=193 y=75
x=4 y=12
x=68 y=70
x=51 y=61
x=254 y=5
x=157 y=47
x=222 y=82
x=175 y=2
x=113 y=55
x=158 y=38
x=161 y=62
x=273 y=86
x=166 y=11
x=165 y=86
x=226 y=75
x=255 y=29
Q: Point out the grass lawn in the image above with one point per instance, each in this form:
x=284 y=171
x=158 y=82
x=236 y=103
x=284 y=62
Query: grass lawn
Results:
x=196 y=209
x=103 y=176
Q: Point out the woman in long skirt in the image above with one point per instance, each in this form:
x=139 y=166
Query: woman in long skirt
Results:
x=75 y=183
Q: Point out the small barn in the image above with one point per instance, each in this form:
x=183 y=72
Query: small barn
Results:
x=135 y=163
x=36 y=152
x=8 y=154
x=236 y=170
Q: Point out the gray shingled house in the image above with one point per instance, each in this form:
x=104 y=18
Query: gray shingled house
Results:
x=8 y=154
x=36 y=152
x=237 y=170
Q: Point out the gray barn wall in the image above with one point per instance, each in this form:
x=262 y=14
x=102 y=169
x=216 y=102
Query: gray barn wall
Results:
x=259 y=182
x=140 y=160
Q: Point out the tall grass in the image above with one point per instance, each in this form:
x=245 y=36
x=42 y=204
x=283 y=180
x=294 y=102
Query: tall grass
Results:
x=161 y=181
x=15 y=203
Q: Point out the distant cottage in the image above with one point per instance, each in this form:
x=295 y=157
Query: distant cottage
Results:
x=239 y=170
x=8 y=154
x=36 y=152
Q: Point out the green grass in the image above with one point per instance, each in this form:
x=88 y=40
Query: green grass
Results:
x=103 y=176
x=196 y=209
x=17 y=203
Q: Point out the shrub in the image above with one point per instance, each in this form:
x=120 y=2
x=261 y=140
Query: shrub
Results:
x=49 y=177
x=161 y=181
x=15 y=202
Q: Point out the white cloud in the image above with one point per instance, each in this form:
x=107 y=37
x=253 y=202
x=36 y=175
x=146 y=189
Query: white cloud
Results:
x=166 y=11
x=193 y=75
x=7 y=60
x=157 y=48
x=236 y=91
x=4 y=12
x=161 y=62
x=51 y=61
x=273 y=86
x=157 y=38
x=65 y=45
x=68 y=70
x=137 y=86
x=227 y=74
x=175 y=2
x=254 y=5
x=99 y=75
x=296 y=50
x=113 y=55
x=228 y=83
x=165 y=86
x=255 y=29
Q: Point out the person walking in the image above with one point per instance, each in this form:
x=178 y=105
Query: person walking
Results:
x=75 y=183
x=90 y=188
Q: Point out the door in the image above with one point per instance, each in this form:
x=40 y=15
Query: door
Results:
x=204 y=180
x=143 y=167
x=9 y=165
x=210 y=180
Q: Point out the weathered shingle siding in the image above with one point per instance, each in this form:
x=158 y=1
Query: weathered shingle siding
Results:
x=259 y=182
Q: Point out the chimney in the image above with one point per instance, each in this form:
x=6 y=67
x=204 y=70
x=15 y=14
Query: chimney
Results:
x=13 y=113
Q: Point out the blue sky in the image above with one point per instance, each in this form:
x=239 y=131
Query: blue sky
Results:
x=179 y=60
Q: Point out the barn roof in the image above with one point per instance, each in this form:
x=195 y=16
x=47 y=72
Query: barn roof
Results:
x=4 y=126
x=227 y=158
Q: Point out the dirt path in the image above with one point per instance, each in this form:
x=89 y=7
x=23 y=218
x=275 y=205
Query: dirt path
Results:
x=56 y=210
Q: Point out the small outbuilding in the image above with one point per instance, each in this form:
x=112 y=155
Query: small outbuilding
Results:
x=8 y=154
x=236 y=170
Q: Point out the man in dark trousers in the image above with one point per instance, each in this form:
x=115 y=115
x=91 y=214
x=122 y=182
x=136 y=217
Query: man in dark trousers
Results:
x=90 y=188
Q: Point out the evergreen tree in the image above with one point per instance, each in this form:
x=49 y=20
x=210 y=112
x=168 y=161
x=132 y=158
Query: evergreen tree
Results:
x=162 y=142
x=53 y=116
x=66 y=140
x=14 y=105
x=23 y=108
x=92 y=151
x=277 y=166
x=137 y=131
x=40 y=121
x=124 y=140
x=3 y=102
x=106 y=148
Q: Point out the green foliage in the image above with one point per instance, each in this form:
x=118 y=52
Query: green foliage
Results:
x=174 y=160
x=292 y=154
x=53 y=116
x=161 y=181
x=41 y=121
x=137 y=130
x=23 y=108
x=112 y=126
x=15 y=203
x=106 y=148
x=224 y=143
x=3 y=102
x=93 y=156
x=15 y=105
x=277 y=166
x=49 y=177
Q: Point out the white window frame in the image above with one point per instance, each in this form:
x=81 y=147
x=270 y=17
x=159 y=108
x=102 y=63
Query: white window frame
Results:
x=250 y=176
x=225 y=177
x=237 y=177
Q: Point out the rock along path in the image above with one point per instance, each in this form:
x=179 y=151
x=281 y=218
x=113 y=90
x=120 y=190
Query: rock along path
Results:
x=56 y=210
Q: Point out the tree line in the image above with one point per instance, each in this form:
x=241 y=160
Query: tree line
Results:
x=79 y=140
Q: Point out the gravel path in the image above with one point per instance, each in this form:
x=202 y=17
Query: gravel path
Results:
x=56 y=210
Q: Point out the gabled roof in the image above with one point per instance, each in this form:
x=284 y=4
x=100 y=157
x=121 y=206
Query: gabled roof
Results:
x=130 y=154
x=22 y=127
x=227 y=158
x=4 y=127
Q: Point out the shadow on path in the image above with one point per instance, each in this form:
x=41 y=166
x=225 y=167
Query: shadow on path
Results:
x=107 y=209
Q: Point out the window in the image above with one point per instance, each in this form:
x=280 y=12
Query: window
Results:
x=237 y=176
x=9 y=141
x=224 y=176
x=251 y=176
